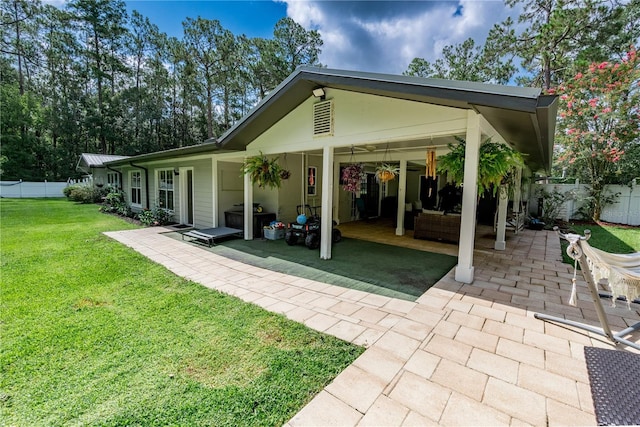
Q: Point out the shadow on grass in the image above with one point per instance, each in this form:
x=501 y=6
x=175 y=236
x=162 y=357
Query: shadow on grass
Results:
x=612 y=238
x=387 y=270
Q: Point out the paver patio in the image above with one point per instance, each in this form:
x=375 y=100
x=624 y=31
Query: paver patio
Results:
x=459 y=355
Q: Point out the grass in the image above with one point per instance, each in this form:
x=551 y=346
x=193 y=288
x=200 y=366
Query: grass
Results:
x=621 y=239
x=95 y=334
x=387 y=270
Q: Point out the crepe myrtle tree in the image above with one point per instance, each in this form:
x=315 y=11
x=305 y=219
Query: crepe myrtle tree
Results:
x=599 y=126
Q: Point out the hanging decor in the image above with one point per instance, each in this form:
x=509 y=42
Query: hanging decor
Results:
x=351 y=175
x=263 y=171
x=386 y=172
x=285 y=173
x=431 y=164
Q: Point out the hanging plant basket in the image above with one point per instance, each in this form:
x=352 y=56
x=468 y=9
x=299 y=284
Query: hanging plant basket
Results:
x=285 y=174
x=262 y=171
x=496 y=165
x=386 y=172
x=352 y=177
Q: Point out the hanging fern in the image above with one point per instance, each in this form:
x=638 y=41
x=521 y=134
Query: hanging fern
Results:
x=263 y=171
x=496 y=165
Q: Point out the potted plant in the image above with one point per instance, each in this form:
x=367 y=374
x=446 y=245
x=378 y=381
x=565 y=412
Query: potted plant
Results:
x=386 y=172
x=263 y=171
x=496 y=166
x=285 y=174
x=352 y=177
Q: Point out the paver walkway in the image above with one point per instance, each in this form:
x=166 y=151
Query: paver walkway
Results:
x=459 y=355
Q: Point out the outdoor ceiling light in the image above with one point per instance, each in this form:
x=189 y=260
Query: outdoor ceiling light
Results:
x=319 y=93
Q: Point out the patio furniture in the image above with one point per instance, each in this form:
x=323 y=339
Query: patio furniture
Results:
x=208 y=235
x=613 y=377
x=622 y=281
x=235 y=219
x=437 y=226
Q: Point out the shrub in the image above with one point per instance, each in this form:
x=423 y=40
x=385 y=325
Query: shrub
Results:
x=155 y=216
x=114 y=202
x=552 y=202
x=84 y=193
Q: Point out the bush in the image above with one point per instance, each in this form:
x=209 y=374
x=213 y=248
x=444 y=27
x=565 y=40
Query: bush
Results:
x=84 y=193
x=552 y=203
x=114 y=202
x=155 y=216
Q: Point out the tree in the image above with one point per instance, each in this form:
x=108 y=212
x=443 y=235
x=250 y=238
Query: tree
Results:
x=202 y=38
x=102 y=22
x=599 y=124
x=464 y=61
x=556 y=33
x=293 y=46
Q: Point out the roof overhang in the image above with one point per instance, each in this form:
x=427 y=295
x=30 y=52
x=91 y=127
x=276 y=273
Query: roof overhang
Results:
x=523 y=116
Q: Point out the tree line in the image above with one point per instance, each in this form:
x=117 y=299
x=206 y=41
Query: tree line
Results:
x=89 y=77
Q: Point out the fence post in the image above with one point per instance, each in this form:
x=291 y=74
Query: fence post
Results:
x=45 y=189
x=20 y=186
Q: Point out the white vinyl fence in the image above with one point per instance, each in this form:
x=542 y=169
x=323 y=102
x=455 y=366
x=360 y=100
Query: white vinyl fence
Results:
x=625 y=209
x=24 y=189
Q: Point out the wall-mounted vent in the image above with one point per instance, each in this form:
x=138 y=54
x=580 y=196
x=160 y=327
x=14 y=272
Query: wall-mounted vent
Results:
x=323 y=118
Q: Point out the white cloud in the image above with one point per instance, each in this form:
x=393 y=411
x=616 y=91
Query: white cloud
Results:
x=384 y=36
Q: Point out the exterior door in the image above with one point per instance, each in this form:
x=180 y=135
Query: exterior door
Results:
x=186 y=205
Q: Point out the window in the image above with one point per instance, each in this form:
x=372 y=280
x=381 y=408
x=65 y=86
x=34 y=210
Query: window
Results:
x=113 y=179
x=135 y=180
x=165 y=189
x=312 y=180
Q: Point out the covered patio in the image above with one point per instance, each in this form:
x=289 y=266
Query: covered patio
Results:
x=331 y=118
x=459 y=355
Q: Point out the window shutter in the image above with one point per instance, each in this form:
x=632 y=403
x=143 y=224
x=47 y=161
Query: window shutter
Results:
x=323 y=118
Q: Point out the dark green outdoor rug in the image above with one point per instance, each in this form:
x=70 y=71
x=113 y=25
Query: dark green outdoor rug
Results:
x=355 y=264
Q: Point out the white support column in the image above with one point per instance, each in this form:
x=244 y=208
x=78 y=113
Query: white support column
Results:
x=336 y=191
x=248 y=208
x=214 y=192
x=464 y=269
x=517 y=196
x=402 y=195
x=503 y=201
x=326 y=225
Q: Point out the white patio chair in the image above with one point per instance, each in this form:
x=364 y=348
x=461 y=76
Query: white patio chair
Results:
x=600 y=266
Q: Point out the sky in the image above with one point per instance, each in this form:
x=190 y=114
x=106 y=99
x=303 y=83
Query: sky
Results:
x=375 y=36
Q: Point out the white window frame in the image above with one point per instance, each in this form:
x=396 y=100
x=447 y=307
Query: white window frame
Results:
x=133 y=189
x=165 y=184
x=113 y=179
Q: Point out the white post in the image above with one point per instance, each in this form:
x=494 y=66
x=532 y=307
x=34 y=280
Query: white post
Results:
x=336 y=192
x=214 y=192
x=464 y=269
x=326 y=225
x=248 y=208
x=45 y=189
x=402 y=191
x=503 y=201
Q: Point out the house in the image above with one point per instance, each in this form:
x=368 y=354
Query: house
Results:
x=318 y=120
x=94 y=168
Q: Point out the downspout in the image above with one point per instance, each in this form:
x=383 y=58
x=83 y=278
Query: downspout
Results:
x=146 y=180
x=119 y=175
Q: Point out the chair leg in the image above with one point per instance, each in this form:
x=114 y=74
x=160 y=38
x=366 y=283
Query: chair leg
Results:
x=605 y=331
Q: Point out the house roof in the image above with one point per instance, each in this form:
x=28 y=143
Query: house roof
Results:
x=97 y=160
x=523 y=116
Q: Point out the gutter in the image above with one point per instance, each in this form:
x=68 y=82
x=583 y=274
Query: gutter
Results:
x=146 y=180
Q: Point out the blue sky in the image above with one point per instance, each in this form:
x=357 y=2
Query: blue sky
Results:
x=377 y=36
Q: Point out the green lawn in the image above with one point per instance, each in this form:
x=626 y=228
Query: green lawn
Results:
x=95 y=334
x=608 y=237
